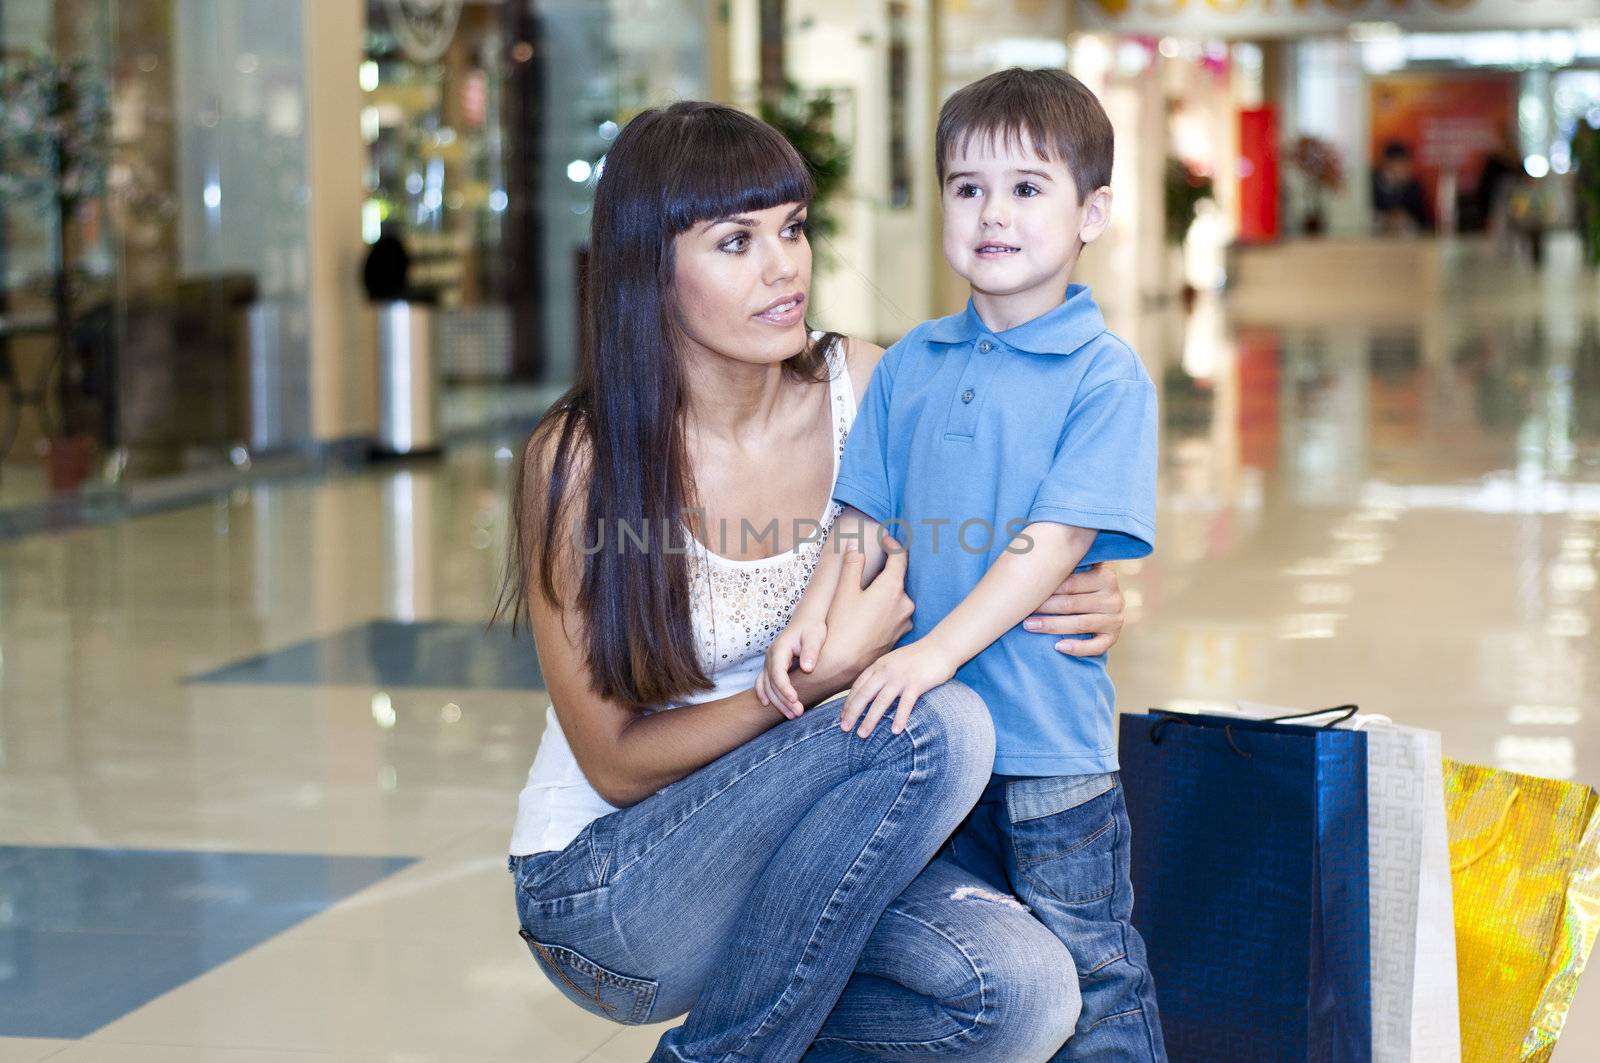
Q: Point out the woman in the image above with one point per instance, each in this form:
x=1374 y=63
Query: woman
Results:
x=769 y=876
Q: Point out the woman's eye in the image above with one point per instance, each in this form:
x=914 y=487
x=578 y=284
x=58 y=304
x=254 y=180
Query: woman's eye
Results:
x=795 y=230
x=736 y=244
x=1027 y=190
x=966 y=191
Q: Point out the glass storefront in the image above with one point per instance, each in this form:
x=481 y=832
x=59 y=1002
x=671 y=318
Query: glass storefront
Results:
x=454 y=93
x=155 y=277
x=171 y=301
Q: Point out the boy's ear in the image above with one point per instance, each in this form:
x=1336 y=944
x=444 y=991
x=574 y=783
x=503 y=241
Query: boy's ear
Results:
x=1096 y=215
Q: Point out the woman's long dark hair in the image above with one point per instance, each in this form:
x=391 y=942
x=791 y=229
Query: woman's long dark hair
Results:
x=668 y=170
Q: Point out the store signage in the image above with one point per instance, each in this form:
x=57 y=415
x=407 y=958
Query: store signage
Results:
x=1294 y=18
x=424 y=27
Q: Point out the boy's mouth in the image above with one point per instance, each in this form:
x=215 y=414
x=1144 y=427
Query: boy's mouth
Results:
x=993 y=250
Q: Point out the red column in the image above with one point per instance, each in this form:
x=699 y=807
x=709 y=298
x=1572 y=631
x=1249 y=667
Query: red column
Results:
x=1258 y=175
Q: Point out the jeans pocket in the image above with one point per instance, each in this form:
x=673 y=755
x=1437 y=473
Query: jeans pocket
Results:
x=1071 y=855
x=594 y=988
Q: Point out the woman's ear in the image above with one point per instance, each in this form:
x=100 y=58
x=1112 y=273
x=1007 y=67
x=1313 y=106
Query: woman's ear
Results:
x=1096 y=215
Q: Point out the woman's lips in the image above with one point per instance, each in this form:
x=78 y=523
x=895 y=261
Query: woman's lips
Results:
x=785 y=312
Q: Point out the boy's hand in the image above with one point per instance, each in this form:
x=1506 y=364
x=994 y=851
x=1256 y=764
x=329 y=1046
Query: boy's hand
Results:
x=801 y=640
x=905 y=674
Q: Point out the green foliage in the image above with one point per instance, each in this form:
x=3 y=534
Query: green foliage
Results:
x=807 y=120
x=54 y=124
x=54 y=119
x=1186 y=187
x=1586 y=157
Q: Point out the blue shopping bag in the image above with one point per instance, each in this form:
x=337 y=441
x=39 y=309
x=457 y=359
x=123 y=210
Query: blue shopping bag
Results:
x=1249 y=844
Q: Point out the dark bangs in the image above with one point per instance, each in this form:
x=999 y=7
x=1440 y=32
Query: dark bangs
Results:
x=727 y=162
x=618 y=456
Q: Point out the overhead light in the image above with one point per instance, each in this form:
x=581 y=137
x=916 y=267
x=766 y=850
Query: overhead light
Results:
x=1544 y=715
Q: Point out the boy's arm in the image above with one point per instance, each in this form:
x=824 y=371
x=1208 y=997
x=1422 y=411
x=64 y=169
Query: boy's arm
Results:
x=1016 y=584
x=1102 y=477
x=1019 y=581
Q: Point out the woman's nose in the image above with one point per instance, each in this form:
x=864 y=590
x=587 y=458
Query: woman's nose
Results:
x=781 y=266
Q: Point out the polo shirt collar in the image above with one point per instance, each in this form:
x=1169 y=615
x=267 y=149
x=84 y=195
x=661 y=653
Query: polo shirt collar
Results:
x=1061 y=331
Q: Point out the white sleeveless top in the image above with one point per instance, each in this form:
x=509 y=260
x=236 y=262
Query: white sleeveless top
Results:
x=737 y=609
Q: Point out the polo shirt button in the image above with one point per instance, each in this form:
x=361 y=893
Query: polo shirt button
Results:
x=985 y=347
x=966 y=396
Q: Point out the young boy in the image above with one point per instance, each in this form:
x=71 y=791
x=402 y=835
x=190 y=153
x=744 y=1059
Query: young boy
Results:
x=1005 y=447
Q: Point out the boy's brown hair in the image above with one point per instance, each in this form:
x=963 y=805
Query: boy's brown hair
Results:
x=1049 y=111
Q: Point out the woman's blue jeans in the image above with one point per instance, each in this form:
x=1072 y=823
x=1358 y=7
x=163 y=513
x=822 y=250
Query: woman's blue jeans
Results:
x=783 y=897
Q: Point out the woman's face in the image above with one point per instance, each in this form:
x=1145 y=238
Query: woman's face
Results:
x=742 y=283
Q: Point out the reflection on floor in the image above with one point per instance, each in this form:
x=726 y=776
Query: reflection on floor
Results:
x=1402 y=512
x=389 y=653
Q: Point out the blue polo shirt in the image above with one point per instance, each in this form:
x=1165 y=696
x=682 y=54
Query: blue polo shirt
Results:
x=965 y=437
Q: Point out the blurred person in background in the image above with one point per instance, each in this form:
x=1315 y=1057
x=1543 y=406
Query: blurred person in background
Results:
x=1398 y=205
x=1531 y=210
x=1501 y=168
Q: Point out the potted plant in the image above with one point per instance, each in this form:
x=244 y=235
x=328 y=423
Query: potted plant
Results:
x=807 y=120
x=53 y=124
x=1321 y=170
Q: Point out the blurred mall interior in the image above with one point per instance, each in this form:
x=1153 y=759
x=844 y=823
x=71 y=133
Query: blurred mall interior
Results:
x=253 y=501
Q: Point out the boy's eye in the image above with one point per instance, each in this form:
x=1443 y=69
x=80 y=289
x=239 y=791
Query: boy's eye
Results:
x=1027 y=190
x=967 y=191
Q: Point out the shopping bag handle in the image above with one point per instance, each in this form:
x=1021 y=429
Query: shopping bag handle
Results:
x=1167 y=716
x=1345 y=712
x=1494 y=837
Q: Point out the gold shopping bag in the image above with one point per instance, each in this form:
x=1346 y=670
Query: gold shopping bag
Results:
x=1525 y=868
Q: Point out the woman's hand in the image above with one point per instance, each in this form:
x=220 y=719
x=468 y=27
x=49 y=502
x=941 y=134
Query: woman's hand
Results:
x=863 y=624
x=1088 y=603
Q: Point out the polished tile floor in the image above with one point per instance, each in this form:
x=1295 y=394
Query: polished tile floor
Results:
x=267 y=732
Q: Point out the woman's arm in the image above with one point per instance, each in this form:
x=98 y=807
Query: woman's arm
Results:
x=626 y=755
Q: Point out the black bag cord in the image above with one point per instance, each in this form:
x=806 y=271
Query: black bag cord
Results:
x=1344 y=711
x=1168 y=717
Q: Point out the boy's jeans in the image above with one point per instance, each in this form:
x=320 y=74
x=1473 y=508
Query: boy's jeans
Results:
x=1061 y=845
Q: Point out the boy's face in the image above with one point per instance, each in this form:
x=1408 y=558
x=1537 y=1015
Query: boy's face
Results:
x=1014 y=222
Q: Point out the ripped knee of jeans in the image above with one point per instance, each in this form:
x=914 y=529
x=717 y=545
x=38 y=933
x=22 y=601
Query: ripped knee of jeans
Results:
x=977 y=893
